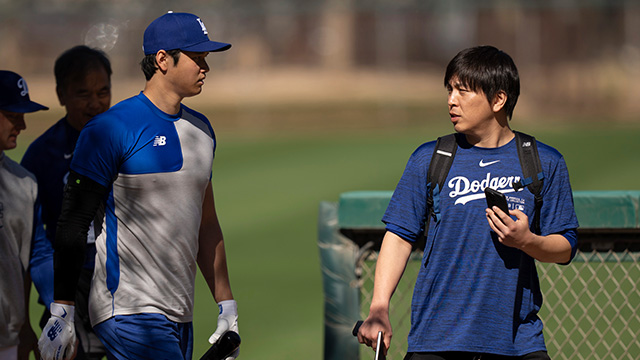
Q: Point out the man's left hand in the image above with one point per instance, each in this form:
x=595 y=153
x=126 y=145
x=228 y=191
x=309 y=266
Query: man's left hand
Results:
x=227 y=320
x=511 y=233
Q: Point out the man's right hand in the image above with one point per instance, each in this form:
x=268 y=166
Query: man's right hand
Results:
x=58 y=338
x=375 y=322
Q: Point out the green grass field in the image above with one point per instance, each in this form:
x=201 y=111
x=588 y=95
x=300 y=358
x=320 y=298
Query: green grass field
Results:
x=268 y=185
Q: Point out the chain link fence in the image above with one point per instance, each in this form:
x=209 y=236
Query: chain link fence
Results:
x=590 y=311
x=591 y=307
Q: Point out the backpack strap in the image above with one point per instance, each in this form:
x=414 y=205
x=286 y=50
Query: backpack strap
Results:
x=533 y=174
x=441 y=161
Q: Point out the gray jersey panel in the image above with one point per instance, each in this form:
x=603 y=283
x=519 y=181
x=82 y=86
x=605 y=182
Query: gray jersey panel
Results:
x=158 y=220
x=18 y=191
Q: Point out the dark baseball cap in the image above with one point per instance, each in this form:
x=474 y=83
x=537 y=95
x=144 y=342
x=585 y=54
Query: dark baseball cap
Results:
x=181 y=31
x=14 y=94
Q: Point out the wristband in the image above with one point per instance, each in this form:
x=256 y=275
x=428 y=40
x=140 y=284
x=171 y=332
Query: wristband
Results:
x=62 y=311
x=228 y=307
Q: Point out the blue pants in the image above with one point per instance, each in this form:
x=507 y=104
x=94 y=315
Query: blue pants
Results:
x=146 y=336
x=453 y=355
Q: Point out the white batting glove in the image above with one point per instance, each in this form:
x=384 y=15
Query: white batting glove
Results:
x=227 y=320
x=58 y=338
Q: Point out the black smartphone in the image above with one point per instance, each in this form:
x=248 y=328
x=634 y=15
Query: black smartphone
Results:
x=496 y=198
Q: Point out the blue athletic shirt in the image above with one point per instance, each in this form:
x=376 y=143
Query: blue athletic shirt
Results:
x=473 y=293
x=156 y=167
x=48 y=158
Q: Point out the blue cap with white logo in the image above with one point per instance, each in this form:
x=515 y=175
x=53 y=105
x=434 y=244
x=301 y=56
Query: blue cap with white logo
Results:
x=14 y=94
x=181 y=31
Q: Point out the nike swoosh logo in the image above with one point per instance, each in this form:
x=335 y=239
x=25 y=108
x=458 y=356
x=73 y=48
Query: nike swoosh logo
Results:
x=67 y=156
x=483 y=164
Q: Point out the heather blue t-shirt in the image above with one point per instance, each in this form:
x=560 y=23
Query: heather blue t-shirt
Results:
x=473 y=293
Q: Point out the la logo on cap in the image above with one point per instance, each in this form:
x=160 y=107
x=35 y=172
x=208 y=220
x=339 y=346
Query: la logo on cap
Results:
x=204 y=29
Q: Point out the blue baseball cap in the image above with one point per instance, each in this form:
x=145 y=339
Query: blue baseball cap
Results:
x=14 y=94
x=181 y=31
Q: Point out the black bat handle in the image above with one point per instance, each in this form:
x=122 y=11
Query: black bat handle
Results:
x=225 y=346
x=354 y=332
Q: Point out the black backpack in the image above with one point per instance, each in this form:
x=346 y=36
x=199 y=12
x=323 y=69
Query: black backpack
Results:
x=442 y=159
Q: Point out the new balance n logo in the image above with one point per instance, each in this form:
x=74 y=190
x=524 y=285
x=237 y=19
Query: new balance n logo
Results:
x=54 y=331
x=160 y=141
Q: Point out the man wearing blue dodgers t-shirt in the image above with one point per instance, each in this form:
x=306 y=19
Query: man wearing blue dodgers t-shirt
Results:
x=477 y=295
x=144 y=167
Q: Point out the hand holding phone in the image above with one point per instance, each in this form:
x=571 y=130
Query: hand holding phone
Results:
x=379 y=348
x=496 y=198
x=379 y=355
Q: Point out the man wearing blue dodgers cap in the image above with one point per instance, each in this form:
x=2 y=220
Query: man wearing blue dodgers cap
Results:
x=14 y=94
x=142 y=171
x=186 y=31
x=19 y=222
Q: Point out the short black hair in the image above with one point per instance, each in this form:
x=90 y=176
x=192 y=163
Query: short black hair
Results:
x=149 y=64
x=74 y=64
x=489 y=69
